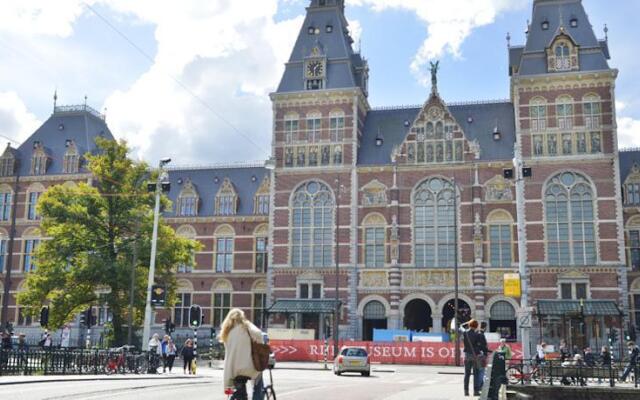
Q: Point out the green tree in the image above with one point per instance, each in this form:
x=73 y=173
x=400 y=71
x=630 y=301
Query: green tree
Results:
x=92 y=231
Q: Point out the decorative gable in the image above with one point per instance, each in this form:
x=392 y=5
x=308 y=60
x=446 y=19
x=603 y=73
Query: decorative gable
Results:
x=227 y=199
x=7 y=161
x=435 y=137
x=71 y=161
x=562 y=54
x=262 y=199
x=188 y=200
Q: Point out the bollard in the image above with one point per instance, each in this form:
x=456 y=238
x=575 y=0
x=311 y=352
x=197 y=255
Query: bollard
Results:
x=326 y=350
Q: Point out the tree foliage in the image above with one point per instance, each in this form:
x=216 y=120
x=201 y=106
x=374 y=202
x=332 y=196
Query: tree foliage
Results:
x=92 y=232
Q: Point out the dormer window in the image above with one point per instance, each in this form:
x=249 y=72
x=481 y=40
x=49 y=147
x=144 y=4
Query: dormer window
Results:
x=71 y=161
x=574 y=22
x=545 y=25
x=7 y=162
x=329 y=28
x=262 y=198
x=226 y=199
x=38 y=160
x=563 y=59
x=188 y=201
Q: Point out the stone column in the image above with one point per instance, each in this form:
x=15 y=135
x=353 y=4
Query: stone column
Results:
x=437 y=323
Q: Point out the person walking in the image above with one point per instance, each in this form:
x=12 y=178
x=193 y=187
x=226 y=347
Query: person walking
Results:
x=633 y=360
x=155 y=350
x=187 y=356
x=605 y=360
x=472 y=351
x=484 y=353
x=565 y=353
x=65 y=337
x=171 y=353
x=589 y=358
x=163 y=352
x=236 y=334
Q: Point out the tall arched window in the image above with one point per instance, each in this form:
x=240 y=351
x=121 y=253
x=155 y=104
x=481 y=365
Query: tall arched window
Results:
x=564 y=111
x=538 y=109
x=570 y=220
x=312 y=226
x=374 y=240
x=500 y=227
x=434 y=223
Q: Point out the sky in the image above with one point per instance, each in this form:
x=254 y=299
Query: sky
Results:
x=190 y=79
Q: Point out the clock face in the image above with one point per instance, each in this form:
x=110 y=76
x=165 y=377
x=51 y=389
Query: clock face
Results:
x=315 y=69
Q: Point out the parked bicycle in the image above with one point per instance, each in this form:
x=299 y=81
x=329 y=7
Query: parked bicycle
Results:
x=525 y=373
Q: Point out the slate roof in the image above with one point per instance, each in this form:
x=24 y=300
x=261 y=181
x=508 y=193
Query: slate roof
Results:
x=343 y=65
x=627 y=158
x=393 y=125
x=593 y=53
x=81 y=124
x=205 y=182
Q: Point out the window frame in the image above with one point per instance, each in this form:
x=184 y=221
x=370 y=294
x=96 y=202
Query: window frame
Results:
x=184 y=310
x=220 y=311
x=224 y=254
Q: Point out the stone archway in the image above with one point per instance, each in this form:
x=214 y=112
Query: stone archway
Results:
x=374 y=316
x=417 y=316
x=448 y=313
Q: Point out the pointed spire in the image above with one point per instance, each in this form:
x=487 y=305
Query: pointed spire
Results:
x=55 y=100
x=606 y=32
x=561 y=17
x=508 y=39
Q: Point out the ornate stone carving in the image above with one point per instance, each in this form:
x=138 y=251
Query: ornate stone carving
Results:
x=435 y=278
x=374 y=279
x=495 y=279
x=477 y=239
x=395 y=240
x=497 y=190
x=374 y=194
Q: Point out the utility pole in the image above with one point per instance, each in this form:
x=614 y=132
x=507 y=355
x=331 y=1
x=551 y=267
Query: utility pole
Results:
x=12 y=235
x=522 y=253
x=456 y=323
x=146 y=332
x=133 y=285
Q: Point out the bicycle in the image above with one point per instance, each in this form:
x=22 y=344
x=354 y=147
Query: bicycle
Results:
x=518 y=374
x=115 y=364
x=239 y=392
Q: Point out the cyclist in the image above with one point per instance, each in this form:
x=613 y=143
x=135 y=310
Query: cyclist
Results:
x=236 y=334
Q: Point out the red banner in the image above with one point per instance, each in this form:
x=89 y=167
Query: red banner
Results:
x=422 y=353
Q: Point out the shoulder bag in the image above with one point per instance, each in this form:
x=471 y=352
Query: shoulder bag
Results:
x=259 y=353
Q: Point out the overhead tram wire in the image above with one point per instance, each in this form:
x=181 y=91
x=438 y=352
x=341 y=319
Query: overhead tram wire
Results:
x=175 y=79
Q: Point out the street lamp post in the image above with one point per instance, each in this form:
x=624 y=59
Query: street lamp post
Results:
x=522 y=268
x=152 y=265
x=336 y=322
x=456 y=317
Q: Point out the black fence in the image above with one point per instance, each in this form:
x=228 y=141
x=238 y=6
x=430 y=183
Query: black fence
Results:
x=557 y=372
x=76 y=362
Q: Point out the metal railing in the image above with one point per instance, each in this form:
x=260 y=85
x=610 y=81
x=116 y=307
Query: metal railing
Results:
x=76 y=362
x=557 y=372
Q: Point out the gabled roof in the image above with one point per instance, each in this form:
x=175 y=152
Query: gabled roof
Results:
x=593 y=53
x=343 y=65
x=627 y=159
x=393 y=125
x=80 y=124
x=246 y=181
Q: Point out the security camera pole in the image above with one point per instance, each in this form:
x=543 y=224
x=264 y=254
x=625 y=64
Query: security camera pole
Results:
x=146 y=332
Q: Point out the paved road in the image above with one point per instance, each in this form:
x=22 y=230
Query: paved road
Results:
x=386 y=383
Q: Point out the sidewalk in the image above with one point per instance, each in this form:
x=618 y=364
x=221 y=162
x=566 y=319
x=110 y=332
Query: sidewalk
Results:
x=25 y=379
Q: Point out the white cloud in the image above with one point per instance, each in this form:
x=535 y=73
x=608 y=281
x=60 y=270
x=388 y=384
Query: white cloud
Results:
x=40 y=17
x=628 y=132
x=448 y=23
x=16 y=122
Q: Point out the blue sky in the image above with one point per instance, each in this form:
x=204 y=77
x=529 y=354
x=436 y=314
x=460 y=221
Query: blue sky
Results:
x=230 y=56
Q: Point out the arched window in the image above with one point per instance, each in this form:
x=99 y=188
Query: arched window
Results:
x=224 y=237
x=336 y=126
x=31 y=241
x=314 y=124
x=500 y=228
x=374 y=310
x=564 y=111
x=291 y=127
x=6 y=196
x=187 y=232
x=633 y=243
x=188 y=200
x=591 y=111
x=33 y=194
x=312 y=225
x=563 y=59
x=71 y=161
x=570 y=220
x=434 y=233
x=538 y=111
x=374 y=241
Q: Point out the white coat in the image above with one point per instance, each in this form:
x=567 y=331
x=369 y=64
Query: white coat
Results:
x=237 y=354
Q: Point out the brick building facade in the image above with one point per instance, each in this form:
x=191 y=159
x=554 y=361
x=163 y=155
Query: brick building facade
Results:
x=412 y=192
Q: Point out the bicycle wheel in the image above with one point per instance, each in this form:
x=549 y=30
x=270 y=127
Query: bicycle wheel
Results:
x=538 y=376
x=270 y=394
x=514 y=375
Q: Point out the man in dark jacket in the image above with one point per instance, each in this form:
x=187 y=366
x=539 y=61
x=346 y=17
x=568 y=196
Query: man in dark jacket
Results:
x=634 y=352
x=473 y=346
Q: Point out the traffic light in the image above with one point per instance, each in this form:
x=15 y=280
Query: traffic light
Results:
x=613 y=336
x=83 y=318
x=44 y=316
x=195 y=316
x=158 y=296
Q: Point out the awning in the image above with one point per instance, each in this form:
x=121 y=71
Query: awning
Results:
x=578 y=307
x=292 y=306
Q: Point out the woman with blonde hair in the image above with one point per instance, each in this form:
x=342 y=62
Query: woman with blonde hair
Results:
x=237 y=333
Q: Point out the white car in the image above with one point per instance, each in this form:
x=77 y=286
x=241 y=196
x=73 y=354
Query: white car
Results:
x=352 y=359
